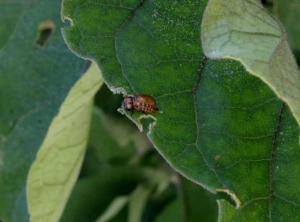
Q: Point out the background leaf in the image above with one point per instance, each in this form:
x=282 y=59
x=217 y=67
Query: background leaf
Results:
x=55 y=170
x=289 y=14
x=94 y=193
x=35 y=79
x=106 y=148
x=113 y=209
x=107 y=171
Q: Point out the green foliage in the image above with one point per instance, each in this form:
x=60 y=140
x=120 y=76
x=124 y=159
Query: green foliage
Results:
x=56 y=168
x=219 y=126
x=133 y=185
x=288 y=12
x=245 y=32
x=34 y=82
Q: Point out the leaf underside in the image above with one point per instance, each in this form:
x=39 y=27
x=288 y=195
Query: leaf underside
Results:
x=58 y=162
x=219 y=126
x=245 y=32
x=35 y=79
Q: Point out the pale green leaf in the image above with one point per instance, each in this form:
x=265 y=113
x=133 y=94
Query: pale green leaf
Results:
x=113 y=209
x=37 y=71
x=59 y=159
x=244 y=31
x=137 y=202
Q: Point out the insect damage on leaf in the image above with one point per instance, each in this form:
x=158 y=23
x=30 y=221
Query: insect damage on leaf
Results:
x=45 y=31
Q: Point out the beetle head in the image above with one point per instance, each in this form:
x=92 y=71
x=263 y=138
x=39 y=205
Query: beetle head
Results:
x=127 y=103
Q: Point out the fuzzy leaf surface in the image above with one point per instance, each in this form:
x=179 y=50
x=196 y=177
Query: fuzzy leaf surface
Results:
x=36 y=74
x=55 y=170
x=219 y=126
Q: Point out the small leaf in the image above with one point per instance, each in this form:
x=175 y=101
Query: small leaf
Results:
x=59 y=159
x=113 y=209
x=137 y=202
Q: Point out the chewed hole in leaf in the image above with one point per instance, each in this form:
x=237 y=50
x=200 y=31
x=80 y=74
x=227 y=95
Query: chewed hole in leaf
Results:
x=45 y=31
x=142 y=121
x=68 y=20
x=148 y=122
x=229 y=197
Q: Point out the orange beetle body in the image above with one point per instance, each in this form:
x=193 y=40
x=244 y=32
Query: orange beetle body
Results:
x=142 y=102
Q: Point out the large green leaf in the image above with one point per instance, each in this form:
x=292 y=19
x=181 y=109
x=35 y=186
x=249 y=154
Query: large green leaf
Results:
x=219 y=126
x=34 y=80
x=55 y=170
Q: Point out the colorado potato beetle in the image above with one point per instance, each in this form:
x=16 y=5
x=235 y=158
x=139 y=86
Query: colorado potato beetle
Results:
x=142 y=102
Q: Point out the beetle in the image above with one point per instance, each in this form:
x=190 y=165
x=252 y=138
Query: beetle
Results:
x=141 y=102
